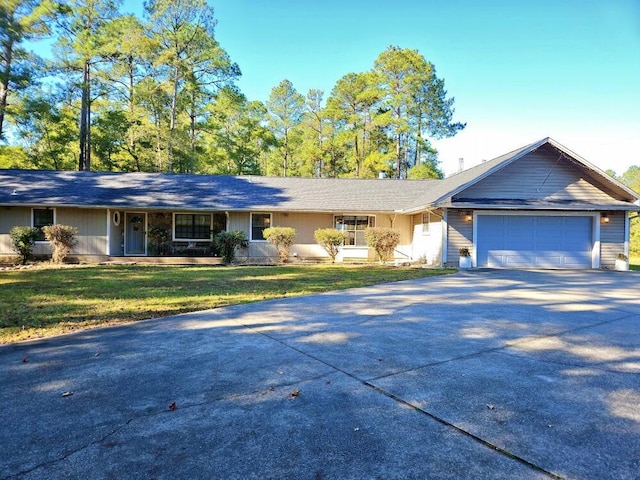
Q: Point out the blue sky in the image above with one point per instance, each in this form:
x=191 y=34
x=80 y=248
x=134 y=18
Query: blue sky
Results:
x=519 y=70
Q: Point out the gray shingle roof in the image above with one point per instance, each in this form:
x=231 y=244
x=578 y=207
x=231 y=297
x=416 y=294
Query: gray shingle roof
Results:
x=254 y=193
x=210 y=192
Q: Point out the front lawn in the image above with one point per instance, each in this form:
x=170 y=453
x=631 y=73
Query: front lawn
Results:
x=634 y=263
x=46 y=301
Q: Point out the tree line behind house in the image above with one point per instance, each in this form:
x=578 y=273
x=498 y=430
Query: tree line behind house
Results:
x=159 y=94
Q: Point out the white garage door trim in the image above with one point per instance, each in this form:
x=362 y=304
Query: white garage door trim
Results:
x=595 y=240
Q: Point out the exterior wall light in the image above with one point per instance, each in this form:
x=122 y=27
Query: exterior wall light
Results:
x=604 y=217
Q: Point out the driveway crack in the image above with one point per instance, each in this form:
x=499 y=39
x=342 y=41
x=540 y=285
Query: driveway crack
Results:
x=466 y=433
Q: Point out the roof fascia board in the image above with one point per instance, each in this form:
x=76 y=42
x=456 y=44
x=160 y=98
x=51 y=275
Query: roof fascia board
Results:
x=607 y=178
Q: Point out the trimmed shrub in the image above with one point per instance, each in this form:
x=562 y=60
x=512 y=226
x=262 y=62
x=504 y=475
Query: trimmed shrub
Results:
x=331 y=239
x=383 y=241
x=62 y=239
x=228 y=242
x=282 y=238
x=22 y=240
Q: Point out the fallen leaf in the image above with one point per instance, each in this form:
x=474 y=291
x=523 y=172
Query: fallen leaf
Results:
x=173 y=406
x=490 y=406
x=357 y=429
x=67 y=394
x=25 y=360
x=295 y=393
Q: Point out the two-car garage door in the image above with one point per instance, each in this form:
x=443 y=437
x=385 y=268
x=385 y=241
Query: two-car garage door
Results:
x=521 y=241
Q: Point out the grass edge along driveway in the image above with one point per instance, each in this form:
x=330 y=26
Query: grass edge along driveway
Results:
x=47 y=300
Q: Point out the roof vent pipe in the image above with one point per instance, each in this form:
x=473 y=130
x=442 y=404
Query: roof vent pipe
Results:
x=460 y=164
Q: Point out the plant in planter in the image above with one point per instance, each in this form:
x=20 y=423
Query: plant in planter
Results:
x=622 y=262
x=465 y=258
x=158 y=238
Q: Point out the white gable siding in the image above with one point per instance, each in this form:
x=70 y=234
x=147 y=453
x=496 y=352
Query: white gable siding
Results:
x=537 y=176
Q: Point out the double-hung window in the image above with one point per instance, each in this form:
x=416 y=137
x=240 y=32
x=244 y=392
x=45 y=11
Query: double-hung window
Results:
x=41 y=217
x=354 y=226
x=426 y=223
x=192 y=226
x=259 y=222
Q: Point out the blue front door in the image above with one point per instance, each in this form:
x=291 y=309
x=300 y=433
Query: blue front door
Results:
x=135 y=234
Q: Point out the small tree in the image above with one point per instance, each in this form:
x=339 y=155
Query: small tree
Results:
x=228 y=242
x=23 y=240
x=383 y=240
x=62 y=239
x=331 y=239
x=282 y=238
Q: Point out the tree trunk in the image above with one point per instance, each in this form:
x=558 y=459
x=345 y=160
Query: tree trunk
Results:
x=172 y=121
x=85 y=120
x=4 y=83
x=398 y=154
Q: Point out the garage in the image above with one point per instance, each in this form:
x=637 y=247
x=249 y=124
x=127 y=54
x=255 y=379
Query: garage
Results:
x=534 y=241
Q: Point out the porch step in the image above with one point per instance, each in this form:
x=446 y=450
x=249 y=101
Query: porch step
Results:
x=166 y=260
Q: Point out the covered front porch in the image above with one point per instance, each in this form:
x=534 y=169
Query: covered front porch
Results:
x=161 y=234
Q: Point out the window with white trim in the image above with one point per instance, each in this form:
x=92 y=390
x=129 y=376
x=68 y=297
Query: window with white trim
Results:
x=191 y=226
x=426 y=223
x=41 y=217
x=354 y=226
x=259 y=222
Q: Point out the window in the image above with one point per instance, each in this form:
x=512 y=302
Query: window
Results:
x=259 y=221
x=192 y=226
x=354 y=226
x=426 y=223
x=41 y=217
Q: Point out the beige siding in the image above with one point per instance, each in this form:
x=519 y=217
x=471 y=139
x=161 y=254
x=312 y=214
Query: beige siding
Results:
x=538 y=175
x=91 y=225
x=12 y=217
x=459 y=234
x=92 y=229
x=306 y=224
x=612 y=239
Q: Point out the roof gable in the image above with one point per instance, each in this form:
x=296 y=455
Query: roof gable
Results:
x=601 y=185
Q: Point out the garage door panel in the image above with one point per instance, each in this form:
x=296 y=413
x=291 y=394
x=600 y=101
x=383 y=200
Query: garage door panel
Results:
x=521 y=241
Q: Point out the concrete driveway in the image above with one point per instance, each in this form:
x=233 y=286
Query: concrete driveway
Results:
x=483 y=374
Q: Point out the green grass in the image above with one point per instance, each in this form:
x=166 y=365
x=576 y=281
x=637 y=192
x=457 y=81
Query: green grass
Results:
x=634 y=263
x=48 y=301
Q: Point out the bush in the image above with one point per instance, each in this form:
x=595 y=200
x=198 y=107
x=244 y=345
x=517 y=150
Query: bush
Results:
x=282 y=238
x=228 y=242
x=383 y=240
x=331 y=239
x=23 y=240
x=62 y=239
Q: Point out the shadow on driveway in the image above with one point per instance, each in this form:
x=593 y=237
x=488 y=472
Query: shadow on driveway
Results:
x=483 y=374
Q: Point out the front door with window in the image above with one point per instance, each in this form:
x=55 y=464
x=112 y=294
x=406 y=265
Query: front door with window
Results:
x=135 y=240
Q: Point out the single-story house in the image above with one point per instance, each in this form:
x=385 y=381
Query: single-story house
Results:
x=539 y=206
